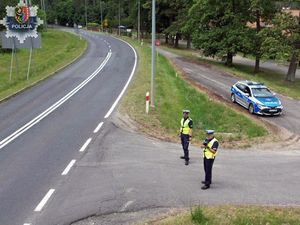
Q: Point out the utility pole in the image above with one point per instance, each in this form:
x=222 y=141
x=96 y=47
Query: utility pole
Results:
x=85 y=14
x=153 y=55
x=119 y=18
x=43 y=7
x=101 y=11
x=139 y=20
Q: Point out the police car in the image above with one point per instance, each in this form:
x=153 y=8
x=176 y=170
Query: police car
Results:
x=256 y=97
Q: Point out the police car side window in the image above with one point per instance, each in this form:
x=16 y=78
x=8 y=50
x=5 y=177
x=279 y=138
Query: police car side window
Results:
x=241 y=87
x=247 y=90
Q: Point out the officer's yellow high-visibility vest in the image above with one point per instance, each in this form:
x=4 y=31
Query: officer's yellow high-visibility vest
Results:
x=185 y=129
x=208 y=154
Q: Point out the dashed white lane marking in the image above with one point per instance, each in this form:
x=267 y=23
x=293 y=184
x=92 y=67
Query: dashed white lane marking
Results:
x=26 y=224
x=127 y=204
x=68 y=168
x=41 y=205
x=98 y=127
x=44 y=114
x=126 y=85
x=83 y=148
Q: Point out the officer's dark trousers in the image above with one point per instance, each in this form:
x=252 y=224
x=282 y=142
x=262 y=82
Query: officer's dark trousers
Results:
x=185 y=145
x=208 y=164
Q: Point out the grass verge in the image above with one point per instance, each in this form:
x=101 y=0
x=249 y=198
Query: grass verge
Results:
x=233 y=215
x=276 y=81
x=59 y=49
x=174 y=94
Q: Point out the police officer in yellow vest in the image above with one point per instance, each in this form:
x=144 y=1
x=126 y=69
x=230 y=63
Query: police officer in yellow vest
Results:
x=210 y=148
x=186 y=130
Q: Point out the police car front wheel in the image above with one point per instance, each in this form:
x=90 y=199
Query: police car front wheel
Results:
x=251 y=109
x=233 y=98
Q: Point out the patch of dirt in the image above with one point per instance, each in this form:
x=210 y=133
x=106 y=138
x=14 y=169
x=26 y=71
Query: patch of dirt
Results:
x=139 y=217
x=125 y=122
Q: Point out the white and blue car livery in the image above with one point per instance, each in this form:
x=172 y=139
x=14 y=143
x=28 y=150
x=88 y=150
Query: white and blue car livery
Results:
x=256 y=97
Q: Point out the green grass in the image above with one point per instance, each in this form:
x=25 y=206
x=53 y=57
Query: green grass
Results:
x=198 y=217
x=234 y=215
x=276 y=81
x=174 y=94
x=58 y=49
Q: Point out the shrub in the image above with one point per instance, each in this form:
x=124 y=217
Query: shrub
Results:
x=198 y=217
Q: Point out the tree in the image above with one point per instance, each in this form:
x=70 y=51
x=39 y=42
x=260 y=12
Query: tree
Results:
x=260 y=11
x=282 y=41
x=219 y=27
x=177 y=28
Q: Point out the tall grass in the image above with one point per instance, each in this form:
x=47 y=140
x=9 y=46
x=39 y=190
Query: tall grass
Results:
x=198 y=217
x=234 y=215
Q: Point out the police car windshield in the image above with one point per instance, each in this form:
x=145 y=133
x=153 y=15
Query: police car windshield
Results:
x=261 y=92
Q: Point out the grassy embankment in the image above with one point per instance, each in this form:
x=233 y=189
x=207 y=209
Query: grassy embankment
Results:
x=234 y=215
x=174 y=94
x=276 y=81
x=58 y=49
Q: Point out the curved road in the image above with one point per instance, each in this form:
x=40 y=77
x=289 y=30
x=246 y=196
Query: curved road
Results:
x=43 y=130
x=59 y=164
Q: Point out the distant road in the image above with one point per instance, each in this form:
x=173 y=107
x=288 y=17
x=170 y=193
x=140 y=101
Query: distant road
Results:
x=46 y=128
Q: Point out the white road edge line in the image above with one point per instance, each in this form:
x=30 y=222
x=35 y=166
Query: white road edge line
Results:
x=98 y=127
x=41 y=205
x=82 y=149
x=44 y=114
x=126 y=85
x=127 y=204
x=68 y=168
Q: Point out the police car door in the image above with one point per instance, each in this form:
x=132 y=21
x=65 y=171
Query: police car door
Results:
x=241 y=95
x=246 y=95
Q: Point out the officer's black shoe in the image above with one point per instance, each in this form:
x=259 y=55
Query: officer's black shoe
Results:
x=205 y=187
x=203 y=182
x=186 y=163
x=182 y=157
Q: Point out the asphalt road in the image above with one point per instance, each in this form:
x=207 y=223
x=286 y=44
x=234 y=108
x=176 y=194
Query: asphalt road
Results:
x=125 y=177
x=219 y=83
x=43 y=128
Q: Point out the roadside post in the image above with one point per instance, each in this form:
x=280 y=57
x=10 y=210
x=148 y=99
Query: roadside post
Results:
x=147 y=102
x=157 y=44
x=30 y=59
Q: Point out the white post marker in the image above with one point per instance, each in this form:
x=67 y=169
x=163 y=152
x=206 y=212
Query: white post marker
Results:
x=147 y=102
